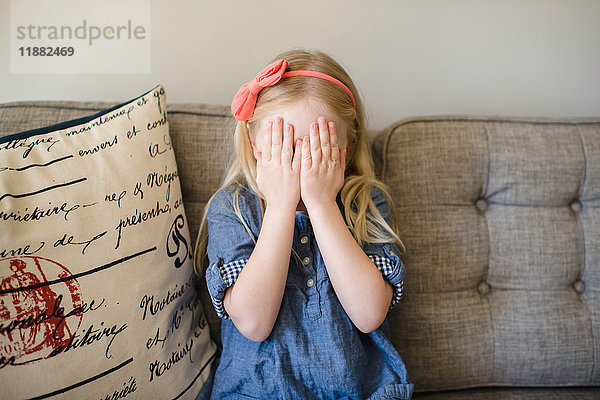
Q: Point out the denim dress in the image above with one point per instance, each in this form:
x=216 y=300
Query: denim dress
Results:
x=314 y=351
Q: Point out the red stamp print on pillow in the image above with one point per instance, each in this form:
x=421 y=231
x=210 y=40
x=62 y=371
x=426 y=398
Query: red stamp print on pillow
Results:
x=40 y=309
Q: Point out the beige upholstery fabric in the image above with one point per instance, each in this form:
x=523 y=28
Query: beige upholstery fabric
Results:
x=501 y=222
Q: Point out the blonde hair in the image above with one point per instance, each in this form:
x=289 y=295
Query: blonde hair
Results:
x=362 y=216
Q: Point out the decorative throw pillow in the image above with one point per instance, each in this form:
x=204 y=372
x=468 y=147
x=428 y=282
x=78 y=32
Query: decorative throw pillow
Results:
x=97 y=288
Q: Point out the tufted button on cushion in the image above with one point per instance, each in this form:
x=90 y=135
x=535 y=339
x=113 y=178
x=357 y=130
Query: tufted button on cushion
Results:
x=482 y=204
x=576 y=205
x=579 y=287
x=483 y=287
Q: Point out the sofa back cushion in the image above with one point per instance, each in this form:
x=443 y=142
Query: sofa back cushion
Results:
x=501 y=222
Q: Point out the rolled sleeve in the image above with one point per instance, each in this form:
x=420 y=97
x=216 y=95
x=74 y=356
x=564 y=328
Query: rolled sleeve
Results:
x=229 y=247
x=386 y=256
x=387 y=261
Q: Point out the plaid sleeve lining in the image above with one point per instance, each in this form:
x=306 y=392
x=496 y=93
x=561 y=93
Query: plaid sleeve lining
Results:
x=386 y=267
x=229 y=273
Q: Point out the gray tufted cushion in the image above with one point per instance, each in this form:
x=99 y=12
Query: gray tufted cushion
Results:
x=501 y=221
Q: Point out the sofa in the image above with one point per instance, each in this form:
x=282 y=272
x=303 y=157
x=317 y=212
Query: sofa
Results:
x=501 y=222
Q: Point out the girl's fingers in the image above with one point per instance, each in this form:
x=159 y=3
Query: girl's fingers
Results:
x=276 y=139
x=288 y=144
x=315 y=143
x=343 y=159
x=324 y=138
x=266 y=152
x=333 y=140
x=297 y=160
x=306 y=154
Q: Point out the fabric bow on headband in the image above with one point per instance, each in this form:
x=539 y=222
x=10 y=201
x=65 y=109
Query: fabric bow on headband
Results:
x=242 y=106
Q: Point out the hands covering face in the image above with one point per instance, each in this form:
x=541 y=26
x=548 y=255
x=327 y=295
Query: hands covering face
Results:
x=311 y=169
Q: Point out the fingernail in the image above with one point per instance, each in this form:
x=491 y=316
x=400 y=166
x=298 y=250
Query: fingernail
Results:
x=321 y=120
x=331 y=125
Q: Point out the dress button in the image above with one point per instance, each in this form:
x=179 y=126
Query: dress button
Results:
x=483 y=287
x=305 y=260
x=310 y=282
x=576 y=205
x=579 y=287
x=304 y=239
x=482 y=204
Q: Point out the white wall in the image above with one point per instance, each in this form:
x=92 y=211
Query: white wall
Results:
x=513 y=57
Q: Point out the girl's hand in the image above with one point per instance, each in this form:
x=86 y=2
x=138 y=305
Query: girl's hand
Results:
x=278 y=167
x=323 y=165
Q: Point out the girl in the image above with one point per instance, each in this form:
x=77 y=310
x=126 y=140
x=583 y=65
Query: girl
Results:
x=302 y=261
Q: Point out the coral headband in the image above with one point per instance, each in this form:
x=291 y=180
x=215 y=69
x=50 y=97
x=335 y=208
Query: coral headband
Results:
x=242 y=106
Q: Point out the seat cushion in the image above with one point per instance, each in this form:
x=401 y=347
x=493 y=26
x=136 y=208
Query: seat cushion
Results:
x=576 y=393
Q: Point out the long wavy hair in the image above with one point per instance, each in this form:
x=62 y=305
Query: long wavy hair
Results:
x=362 y=217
